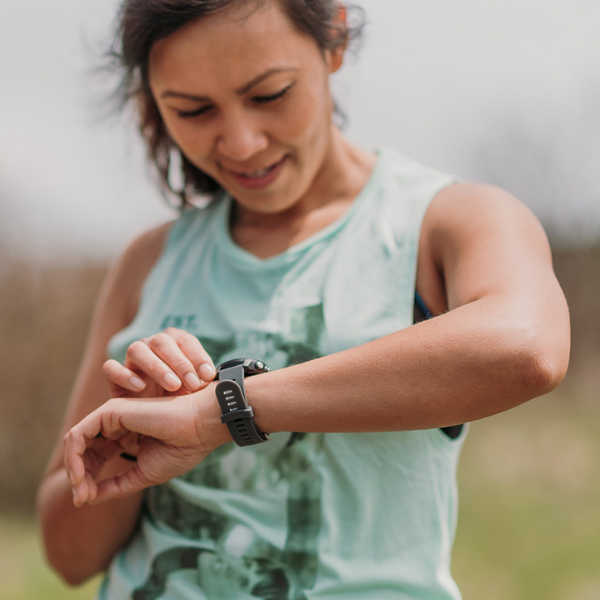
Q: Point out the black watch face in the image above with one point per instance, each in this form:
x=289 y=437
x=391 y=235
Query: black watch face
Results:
x=251 y=366
x=254 y=367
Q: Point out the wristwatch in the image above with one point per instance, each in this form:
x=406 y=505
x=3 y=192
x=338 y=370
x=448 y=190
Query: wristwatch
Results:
x=237 y=415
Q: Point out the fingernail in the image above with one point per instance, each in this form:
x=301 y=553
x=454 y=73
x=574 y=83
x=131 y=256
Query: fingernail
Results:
x=192 y=381
x=69 y=476
x=207 y=372
x=137 y=384
x=76 y=497
x=172 y=381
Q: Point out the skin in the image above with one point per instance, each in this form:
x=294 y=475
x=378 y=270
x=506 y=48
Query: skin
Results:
x=501 y=336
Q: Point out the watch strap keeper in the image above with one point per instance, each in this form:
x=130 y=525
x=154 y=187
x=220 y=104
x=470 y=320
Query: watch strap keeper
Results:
x=245 y=413
x=237 y=415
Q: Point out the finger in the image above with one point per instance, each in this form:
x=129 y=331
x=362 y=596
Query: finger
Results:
x=78 y=439
x=74 y=449
x=143 y=357
x=120 y=376
x=167 y=346
x=193 y=349
x=163 y=418
x=119 y=486
x=92 y=487
x=96 y=460
x=130 y=444
x=159 y=418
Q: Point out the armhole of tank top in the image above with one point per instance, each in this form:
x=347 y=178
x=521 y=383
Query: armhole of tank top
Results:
x=422 y=313
x=167 y=237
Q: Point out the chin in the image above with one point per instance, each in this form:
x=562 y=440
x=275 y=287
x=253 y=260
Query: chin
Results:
x=265 y=207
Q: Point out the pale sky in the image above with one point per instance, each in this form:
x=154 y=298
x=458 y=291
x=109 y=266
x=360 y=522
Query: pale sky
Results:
x=454 y=84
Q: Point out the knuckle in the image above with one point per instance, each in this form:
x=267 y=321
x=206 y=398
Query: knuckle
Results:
x=159 y=341
x=109 y=367
x=173 y=332
x=182 y=365
x=157 y=370
x=192 y=346
x=135 y=349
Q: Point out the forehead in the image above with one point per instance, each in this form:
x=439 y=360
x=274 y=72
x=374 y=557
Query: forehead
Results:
x=230 y=46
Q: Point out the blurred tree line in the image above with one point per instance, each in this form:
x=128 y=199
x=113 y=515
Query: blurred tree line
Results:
x=44 y=315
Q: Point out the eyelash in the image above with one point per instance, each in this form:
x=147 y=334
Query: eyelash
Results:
x=265 y=99
x=258 y=100
x=192 y=113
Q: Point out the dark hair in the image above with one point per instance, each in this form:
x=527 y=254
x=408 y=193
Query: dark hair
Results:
x=141 y=23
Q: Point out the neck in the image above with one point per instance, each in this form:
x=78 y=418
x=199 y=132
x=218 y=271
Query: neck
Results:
x=342 y=174
x=341 y=177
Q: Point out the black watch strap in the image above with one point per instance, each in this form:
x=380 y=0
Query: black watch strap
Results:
x=231 y=395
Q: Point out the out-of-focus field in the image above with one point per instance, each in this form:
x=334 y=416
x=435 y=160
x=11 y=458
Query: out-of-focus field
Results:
x=529 y=524
x=24 y=574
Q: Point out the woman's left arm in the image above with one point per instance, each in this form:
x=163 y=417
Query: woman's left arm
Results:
x=503 y=340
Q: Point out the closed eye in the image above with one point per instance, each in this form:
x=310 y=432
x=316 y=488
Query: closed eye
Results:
x=272 y=98
x=187 y=114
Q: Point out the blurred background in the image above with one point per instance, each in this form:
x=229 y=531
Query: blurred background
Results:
x=501 y=92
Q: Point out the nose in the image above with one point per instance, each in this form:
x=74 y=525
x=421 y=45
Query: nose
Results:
x=241 y=137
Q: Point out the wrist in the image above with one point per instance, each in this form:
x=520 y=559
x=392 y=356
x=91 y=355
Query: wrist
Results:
x=211 y=431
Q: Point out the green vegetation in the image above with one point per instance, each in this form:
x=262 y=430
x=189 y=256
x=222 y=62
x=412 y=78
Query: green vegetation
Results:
x=24 y=574
x=529 y=524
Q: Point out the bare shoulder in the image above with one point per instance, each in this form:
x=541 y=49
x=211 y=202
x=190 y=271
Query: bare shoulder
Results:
x=464 y=214
x=151 y=241
x=129 y=273
x=478 y=240
x=143 y=252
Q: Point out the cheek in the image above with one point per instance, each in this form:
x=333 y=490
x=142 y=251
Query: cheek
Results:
x=306 y=118
x=190 y=137
x=186 y=133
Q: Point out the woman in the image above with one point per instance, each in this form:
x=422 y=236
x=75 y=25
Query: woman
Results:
x=307 y=259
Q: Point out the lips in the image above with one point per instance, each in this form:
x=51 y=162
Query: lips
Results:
x=256 y=174
x=258 y=178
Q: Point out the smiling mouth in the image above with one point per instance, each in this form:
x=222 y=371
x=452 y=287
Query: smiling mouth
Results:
x=259 y=173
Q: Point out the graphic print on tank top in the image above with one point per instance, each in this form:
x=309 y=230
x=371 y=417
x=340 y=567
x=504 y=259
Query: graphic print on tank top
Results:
x=229 y=559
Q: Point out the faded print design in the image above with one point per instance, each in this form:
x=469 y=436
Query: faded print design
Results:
x=229 y=561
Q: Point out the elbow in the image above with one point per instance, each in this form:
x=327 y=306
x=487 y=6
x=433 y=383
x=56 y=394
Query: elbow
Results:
x=63 y=554
x=544 y=374
x=67 y=564
x=544 y=363
x=70 y=574
x=70 y=577
x=71 y=571
x=74 y=579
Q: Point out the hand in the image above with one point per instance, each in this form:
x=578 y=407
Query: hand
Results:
x=169 y=363
x=175 y=434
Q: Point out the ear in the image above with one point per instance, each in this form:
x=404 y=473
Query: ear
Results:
x=337 y=54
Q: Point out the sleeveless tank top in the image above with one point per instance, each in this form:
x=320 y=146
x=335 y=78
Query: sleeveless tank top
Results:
x=306 y=515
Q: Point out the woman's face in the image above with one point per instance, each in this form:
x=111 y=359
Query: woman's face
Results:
x=246 y=98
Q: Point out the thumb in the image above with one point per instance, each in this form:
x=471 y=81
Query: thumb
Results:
x=125 y=484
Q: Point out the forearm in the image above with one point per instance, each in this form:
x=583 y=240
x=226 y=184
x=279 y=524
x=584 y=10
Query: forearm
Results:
x=456 y=368
x=80 y=542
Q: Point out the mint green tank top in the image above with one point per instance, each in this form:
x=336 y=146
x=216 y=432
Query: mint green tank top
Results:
x=306 y=515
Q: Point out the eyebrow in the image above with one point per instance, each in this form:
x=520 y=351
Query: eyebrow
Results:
x=240 y=91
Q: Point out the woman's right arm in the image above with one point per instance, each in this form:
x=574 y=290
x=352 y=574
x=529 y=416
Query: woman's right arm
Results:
x=80 y=542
